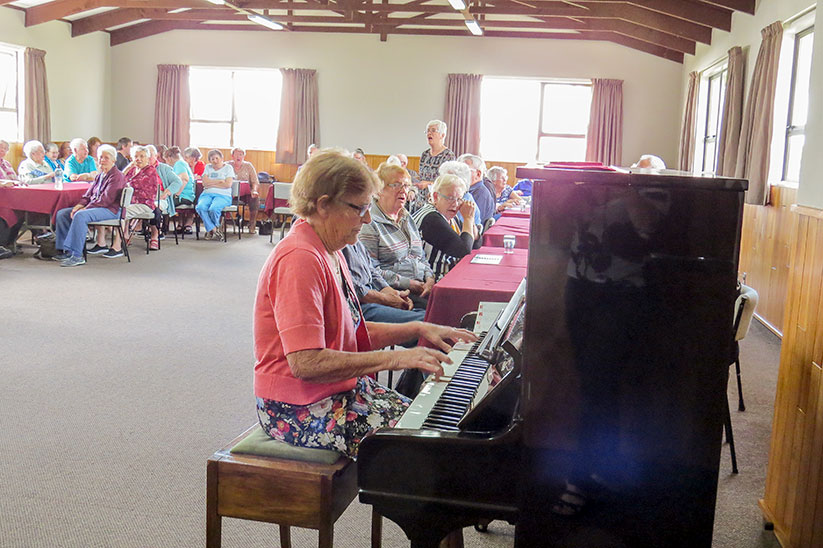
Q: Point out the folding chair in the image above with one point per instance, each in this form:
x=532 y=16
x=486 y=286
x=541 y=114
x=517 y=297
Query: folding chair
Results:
x=125 y=200
x=282 y=191
x=235 y=206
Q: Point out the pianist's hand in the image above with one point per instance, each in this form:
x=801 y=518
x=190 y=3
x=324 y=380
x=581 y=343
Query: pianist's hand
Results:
x=427 y=360
x=439 y=334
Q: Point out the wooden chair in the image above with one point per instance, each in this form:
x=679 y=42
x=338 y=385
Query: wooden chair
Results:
x=290 y=493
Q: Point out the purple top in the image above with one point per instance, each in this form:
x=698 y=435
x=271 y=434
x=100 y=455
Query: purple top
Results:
x=105 y=190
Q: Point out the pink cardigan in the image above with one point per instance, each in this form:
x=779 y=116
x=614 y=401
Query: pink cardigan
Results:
x=300 y=306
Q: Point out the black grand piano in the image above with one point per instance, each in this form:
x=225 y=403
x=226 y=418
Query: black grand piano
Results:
x=591 y=414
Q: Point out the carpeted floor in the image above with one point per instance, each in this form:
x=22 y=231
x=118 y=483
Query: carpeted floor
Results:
x=119 y=381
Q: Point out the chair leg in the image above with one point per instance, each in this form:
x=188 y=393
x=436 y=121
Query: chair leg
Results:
x=123 y=242
x=196 y=227
x=376 y=529
x=326 y=536
x=730 y=437
x=214 y=521
x=285 y=536
x=174 y=228
x=741 y=406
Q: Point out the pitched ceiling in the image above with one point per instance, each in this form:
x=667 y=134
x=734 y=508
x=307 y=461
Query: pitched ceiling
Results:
x=666 y=28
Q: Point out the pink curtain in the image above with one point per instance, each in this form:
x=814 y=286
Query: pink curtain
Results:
x=462 y=114
x=685 y=157
x=728 y=139
x=172 y=106
x=299 y=116
x=756 y=131
x=37 y=119
x=604 y=139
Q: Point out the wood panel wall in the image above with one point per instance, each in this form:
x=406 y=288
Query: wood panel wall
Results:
x=793 y=499
x=765 y=246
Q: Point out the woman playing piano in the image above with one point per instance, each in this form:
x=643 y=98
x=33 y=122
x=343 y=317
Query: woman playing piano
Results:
x=313 y=349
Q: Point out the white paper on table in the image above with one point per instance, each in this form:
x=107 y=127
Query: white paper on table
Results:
x=482 y=258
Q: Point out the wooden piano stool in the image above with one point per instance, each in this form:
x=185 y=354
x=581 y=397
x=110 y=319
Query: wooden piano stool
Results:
x=287 y=492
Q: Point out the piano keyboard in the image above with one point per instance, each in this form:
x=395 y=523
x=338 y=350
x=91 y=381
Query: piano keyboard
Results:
x=441 y=404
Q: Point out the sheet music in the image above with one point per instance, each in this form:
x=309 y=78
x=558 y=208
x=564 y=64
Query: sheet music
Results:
x=482 y=258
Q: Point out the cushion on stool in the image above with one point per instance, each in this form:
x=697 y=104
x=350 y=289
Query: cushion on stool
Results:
x=260 y=444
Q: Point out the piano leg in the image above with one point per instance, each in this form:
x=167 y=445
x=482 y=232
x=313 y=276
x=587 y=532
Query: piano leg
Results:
x=376 y=529
x=285 y=536
x=453 y=540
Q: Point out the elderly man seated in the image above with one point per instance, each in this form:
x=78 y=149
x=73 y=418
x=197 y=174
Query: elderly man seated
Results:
x=482 y=194
x=505 y=196
x=34 y=170
x=100 y=202
x=80 y=167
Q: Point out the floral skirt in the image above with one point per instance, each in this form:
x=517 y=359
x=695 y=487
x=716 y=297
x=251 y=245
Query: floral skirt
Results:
x=338 y=422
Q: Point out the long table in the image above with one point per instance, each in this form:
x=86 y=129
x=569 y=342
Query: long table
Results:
x=467 y=284
x=517 y=212
x=39 y=199
x=517 y=226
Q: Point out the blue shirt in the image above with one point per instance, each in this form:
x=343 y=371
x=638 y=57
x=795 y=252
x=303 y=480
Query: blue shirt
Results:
x=73 y=166
x=484 y=199
x=181 y=167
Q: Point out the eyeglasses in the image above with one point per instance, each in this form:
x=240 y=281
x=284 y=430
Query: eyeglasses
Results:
x=451 y=199
x=395 y=186
x=431 y=130
x=360 y=209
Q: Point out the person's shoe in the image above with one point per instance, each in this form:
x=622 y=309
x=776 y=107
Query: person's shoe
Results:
x=154 y=245
x=5 y=253
x=113 y=253
x=188 y=230
x=218 y=235
x=162 y=236
x=61 y=256
x=209 y=235
x=73 y=261
x=97 y=250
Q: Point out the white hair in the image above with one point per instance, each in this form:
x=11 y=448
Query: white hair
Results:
x=655 y=162
x=447 y=181
x=441 y=125
x=476 y=162
x=311 y=147
x=76 y=142
x=496 y=172
x=453 y=167
x=31 y=146
x=4 y=142
x=152 y=150
x=393 y=161
x=139 y=148
x=107 y=149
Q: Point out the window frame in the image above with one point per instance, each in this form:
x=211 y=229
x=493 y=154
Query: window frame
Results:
x=19 y=98
x=792 y=130
x=233 y=121
x=540 y=132
x=720 y=76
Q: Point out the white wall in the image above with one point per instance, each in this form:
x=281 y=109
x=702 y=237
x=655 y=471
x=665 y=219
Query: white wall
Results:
x=77 y=70
x=379 y=95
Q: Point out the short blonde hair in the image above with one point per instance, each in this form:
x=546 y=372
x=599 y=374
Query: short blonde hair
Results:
x=329 y=173
x=387 y=172
x=447 y=182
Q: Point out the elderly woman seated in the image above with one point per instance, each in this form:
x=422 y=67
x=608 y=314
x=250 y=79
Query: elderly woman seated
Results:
x=34 y=170
x=504 y=196
x=245 y=171
x=185 y=194
x=216 y=194
x=392 y=238
x=312 y=346
x=446 y=241
x=52 y=157
x=100 y=202
x=143 y=178
x=80 y=166
x=8 y=177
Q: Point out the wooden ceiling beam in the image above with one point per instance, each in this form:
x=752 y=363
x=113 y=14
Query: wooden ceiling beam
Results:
x=52 y=11
x=112 y=18
x=702 y=14
x=746 y=6
x=144 y=30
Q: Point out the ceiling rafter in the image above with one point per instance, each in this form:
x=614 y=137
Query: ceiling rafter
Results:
x=666 y=28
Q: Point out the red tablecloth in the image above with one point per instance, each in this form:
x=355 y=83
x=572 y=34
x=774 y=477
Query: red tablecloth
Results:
x=518 y=226
x=42 y=198
x=271 y=203
x=516 y=212
x=467 y=284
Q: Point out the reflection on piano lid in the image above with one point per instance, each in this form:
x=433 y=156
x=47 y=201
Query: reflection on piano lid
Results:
x=476 y=373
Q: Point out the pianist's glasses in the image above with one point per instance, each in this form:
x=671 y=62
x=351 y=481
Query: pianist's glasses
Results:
x=360 y=209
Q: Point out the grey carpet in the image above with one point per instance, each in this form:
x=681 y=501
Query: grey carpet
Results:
x=119 y=381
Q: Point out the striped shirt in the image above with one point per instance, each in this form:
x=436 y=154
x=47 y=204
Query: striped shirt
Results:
x=397 y=248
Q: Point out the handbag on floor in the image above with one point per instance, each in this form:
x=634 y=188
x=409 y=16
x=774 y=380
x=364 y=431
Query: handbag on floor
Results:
x=45 y=246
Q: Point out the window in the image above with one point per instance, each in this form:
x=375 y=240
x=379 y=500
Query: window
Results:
x=798 y=104
x=235 y=107
x=11 y=93
x=715 y=95
x=528 y=120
